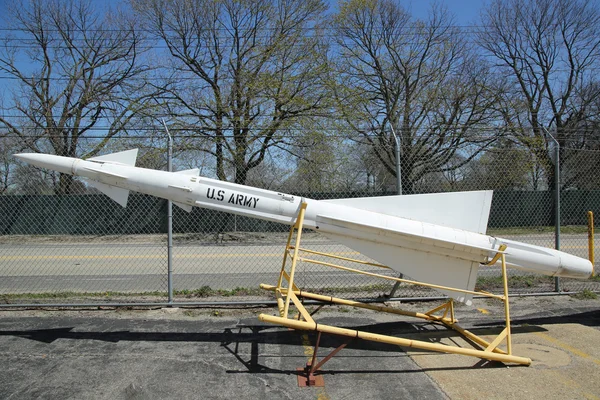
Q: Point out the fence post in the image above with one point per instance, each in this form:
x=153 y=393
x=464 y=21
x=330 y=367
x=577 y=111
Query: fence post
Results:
x=556 y=202
x=169 y=220
x=398 y=165
x=399 y=190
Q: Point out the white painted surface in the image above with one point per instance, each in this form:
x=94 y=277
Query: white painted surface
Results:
x=468 y=211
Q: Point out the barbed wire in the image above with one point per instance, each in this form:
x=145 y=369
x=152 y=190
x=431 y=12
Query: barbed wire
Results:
x=574 y=132
x=467 y=140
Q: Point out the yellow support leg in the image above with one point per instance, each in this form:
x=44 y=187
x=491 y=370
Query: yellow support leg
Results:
x=291 y=293
x=506 y=307
x=299 y=224
x=591 y=241
x=285 y=254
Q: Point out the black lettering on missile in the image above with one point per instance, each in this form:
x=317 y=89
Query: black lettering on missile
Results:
x=241 y=200
x=237 y=199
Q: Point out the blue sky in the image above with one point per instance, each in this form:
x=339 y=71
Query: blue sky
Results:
x=466 y=12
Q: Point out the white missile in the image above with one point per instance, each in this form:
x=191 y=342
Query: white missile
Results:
x=433 y=238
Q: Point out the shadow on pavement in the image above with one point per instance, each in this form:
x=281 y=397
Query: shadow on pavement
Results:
x=588 y=318
x=231 y=338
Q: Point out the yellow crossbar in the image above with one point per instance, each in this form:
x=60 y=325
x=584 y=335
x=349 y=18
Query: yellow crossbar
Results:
x=391 y=278
x=417 y=344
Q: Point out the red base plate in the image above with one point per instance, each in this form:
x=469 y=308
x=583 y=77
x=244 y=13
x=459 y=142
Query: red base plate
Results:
x=311 y=380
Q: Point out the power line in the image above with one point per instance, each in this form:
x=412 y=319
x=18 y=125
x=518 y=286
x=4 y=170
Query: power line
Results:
x=203 y=45
x=193 y=77
x=469 y=32
x=307 y=27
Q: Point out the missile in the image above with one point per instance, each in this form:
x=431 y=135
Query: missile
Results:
x=433 y=238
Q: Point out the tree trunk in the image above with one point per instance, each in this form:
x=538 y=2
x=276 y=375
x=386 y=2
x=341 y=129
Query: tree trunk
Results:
x=65 y=184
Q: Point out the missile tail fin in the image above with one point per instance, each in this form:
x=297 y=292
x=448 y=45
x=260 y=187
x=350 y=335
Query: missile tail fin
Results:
x=461 y=210
x=191 y=172
x=127 y=157
x=117 y=194
x=184 y=207
x=421 y=266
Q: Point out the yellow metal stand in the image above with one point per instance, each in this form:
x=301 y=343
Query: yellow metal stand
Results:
x=287 y=292
x=591 y=255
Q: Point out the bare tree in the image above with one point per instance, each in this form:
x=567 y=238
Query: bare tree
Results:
x=7 y=148
x=582 y=152
x=323 y=164
x=548 y=52
x=243 y=72
x=505 y=166
x=421 y=77
x=77 y=72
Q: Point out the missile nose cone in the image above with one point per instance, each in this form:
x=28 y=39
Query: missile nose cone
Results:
x=57 y=163
x=25 y=156
x=29 y=158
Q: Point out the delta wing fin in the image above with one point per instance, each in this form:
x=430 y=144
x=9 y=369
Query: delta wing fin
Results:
x=468 y=211
x=117 y=194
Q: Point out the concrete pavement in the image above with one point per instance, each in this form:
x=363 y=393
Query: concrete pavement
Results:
x=226 y=353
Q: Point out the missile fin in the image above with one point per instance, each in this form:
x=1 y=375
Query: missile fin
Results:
x=191 y=172
x=103 y=172
x=184 y=207
x=374 y=230
x=127 y=157
x=421 y=266
x=117 y=194
x=461 y=210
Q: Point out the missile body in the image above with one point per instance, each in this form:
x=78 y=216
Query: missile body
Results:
x=433 y=238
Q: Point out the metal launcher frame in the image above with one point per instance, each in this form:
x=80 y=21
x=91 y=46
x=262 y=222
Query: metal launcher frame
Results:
x=443 y=314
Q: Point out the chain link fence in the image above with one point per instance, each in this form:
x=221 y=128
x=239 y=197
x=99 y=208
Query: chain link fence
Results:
x=82 y=248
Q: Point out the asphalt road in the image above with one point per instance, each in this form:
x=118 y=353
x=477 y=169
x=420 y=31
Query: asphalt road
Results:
x=140 y=267
x=143 y=267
